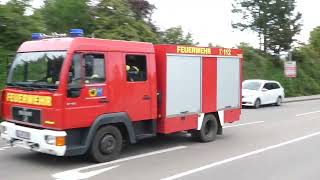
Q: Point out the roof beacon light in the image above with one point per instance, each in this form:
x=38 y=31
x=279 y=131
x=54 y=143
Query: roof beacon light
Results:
x=39 y=36
x=36 y=36
x=76 y=32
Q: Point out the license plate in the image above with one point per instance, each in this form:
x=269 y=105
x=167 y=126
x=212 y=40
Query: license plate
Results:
x=23 y=134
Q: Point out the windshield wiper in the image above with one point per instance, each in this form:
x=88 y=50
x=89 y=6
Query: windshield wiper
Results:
x=33 y=86
x=44 y=86
x=19 y=85
x=11 y=84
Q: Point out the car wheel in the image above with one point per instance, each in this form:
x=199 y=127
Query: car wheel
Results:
x=106 y=145
x=279 y=101
x=257 y=104
x=208 y=131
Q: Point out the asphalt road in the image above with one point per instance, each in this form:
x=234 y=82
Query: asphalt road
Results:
x=272 y=143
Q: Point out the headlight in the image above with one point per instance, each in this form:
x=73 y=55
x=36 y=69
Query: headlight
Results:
x=3 y=129
x=50 y=140
x=53 y=140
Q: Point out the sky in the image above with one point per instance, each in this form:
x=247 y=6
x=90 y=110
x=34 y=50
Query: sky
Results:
x=209 y=21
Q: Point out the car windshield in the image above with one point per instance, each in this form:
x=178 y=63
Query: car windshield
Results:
x=36 y=69
x=251 y=86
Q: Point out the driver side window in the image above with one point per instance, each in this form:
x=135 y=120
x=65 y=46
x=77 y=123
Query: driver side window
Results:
x=94 y=68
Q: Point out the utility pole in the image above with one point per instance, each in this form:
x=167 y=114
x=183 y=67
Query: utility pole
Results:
x=290 y=55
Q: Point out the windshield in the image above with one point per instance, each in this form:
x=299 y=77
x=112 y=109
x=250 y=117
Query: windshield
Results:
x=36 y=69
x=251 y=86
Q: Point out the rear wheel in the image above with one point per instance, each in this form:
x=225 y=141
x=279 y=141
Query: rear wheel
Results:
x=279 y=101
x=208 y=131
x=106 y=145
x=257 y=104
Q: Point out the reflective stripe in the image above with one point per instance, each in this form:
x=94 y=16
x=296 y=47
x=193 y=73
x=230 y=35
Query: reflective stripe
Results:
x=221 y=117
x=200 y=120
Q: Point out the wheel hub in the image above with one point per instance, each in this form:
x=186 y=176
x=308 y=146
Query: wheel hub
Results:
x=107 y=144
x=207 y=128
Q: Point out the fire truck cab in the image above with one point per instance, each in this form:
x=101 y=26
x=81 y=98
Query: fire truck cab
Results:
x=71 y=96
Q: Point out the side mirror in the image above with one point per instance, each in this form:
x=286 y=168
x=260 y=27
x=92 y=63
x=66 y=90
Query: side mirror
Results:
x=264 y=90
x=74 y=91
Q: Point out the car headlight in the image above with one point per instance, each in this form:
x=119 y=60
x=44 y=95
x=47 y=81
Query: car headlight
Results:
x=50 y=139
x=54 y=140
x=3 y=129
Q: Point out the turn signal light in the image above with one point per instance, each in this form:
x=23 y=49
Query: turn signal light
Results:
x=60 y=141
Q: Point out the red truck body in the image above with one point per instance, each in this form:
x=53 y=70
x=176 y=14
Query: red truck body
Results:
x=180 y=85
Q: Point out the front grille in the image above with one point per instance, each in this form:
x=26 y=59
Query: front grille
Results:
x=26 y=115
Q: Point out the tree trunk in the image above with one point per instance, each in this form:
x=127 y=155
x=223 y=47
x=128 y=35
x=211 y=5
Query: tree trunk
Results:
x=264 y=42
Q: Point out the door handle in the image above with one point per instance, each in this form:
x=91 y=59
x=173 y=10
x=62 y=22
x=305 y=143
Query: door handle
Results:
x=146 y=97
x=104 y=100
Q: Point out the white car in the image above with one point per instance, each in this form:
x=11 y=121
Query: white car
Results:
x=261 y=92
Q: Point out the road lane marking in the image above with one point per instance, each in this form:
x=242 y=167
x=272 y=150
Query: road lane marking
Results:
x=186 y=173
x=308 y=113
x=5 y=148
x=70 y=173
x=85 y=175
x=245 y=124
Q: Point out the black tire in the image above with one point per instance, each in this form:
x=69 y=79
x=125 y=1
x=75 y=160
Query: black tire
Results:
x=257 y=103
x=208 y=131
x=106 y=145
x=279 y=101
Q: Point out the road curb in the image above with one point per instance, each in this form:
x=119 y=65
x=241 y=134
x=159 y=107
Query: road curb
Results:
x=300 y=100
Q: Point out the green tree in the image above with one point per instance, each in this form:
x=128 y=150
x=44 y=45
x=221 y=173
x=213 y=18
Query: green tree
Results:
x=115 y=20
x=62 y=15
x=15 y=28
x=275 y=21
x=315 y=39
x=142 y=9
x=284 y=25
x=175 y=35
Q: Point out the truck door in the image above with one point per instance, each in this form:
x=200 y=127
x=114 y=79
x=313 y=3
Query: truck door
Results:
x=137 y=87
x=228 y=83
x=87 y=89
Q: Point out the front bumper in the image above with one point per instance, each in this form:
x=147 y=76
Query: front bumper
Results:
x=248 y=101
x=36 y=141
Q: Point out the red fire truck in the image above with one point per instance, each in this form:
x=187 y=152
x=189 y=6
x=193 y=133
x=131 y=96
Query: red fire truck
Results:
x=69 y=96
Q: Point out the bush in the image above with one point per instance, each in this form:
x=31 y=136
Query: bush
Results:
x=257 y=65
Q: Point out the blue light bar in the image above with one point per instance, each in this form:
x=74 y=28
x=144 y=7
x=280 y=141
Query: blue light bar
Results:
x=36 y=36
x=76 y=32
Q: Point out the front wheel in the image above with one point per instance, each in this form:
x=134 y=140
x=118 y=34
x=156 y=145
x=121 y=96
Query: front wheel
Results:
x=208 y=131
x=106 y=145
x=257 y=104
x=279 y=101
